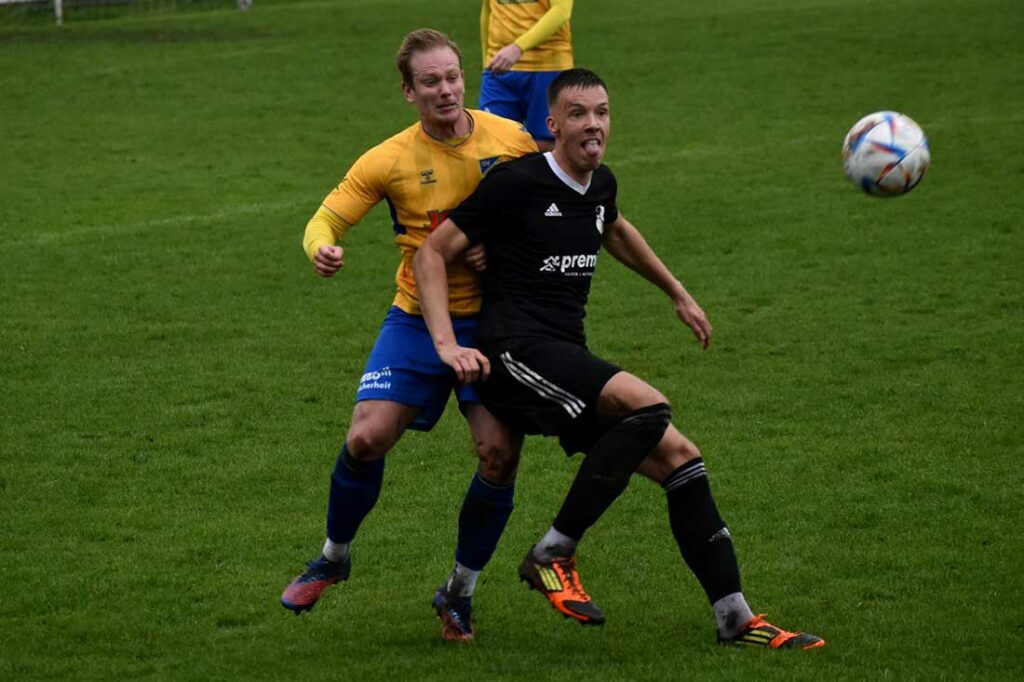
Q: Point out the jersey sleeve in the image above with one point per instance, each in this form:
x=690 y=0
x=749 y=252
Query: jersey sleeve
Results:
x=485 y=21
x=523 y=143
x=611 y=212
x=361 y=188
x=514 y=136
x=559 y=13
x=325 y=228
x=489 y=208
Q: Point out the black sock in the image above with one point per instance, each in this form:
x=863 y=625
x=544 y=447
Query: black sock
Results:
x=703 y=537
x=605 y=472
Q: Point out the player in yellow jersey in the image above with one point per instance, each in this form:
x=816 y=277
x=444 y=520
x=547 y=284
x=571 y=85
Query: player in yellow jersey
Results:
x=526 y=43
x=421 y=172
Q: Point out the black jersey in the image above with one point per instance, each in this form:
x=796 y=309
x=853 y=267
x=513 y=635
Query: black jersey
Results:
x=542 y=231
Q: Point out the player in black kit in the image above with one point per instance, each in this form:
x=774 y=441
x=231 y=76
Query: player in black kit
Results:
x=543 y=220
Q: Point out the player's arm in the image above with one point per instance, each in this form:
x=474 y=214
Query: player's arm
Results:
x=552 y=20
x=628 y=246
x=485 y=29
x=430 y=266
x=476 y=257
x=363 y=186
x=320 y=241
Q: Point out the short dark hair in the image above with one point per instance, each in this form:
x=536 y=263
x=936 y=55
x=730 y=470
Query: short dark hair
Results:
x=421 y=40
x=573 y=78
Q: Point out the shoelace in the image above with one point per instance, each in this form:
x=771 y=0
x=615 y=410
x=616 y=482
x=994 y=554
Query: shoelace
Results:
x=758 y=621
x=570 y=578
x=317 y=572
x=456 y=616
x=454 y=609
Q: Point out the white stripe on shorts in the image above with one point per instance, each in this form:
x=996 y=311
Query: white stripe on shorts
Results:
x=542 y=387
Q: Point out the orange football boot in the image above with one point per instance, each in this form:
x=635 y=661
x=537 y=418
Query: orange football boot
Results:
x=759 y=632
x=559 y=581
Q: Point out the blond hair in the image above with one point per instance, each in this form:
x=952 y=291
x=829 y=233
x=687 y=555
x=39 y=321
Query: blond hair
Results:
x=422 y=40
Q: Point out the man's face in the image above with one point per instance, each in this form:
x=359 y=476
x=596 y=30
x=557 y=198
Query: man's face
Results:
x=437 y=86
x=581 y=123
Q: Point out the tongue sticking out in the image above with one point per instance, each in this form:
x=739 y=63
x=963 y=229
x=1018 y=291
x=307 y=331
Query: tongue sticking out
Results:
x=592 y=148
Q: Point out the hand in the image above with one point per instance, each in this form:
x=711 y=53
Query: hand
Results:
x=476 y=257
x=469 y=363
x=505 y=59
x=693 y=317
x=328 y=260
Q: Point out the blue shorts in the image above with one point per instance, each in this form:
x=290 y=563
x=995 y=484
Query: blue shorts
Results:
x=404 y=368
x=521 y=96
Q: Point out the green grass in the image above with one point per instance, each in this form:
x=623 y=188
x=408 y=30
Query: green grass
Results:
x=175 y=381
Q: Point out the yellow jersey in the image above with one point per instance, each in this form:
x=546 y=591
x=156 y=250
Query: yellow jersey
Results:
x=539 y=27
x=423 y=178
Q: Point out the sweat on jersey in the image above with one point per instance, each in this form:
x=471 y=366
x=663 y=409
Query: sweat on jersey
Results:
x=421 y=179
x=542 y=231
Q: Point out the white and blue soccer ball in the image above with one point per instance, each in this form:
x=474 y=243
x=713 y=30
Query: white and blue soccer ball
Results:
x=886 y=154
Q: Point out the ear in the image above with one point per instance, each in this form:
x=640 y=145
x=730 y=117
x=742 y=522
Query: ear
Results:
x=408 y=93
x=552 y=126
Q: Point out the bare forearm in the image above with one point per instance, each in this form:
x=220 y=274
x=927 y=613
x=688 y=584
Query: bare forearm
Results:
x=624 y=242
x=432 y=285
x=630 y=248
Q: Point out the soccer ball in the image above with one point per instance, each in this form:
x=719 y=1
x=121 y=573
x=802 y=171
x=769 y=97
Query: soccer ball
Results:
x=885 y=154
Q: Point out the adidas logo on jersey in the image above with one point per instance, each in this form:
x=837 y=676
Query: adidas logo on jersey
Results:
x=552 y=212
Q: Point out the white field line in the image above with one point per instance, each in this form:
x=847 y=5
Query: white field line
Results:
x=110 y=229
x=185 y=56
x=664 y=156
x=668 y=154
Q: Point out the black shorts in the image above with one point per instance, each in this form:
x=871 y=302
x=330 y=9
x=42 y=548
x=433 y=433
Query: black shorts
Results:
x=540 y=386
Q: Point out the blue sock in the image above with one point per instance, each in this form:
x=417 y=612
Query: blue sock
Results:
x=485 y=511
x=355 y=487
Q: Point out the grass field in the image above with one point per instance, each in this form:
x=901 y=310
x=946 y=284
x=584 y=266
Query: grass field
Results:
x=175 y=381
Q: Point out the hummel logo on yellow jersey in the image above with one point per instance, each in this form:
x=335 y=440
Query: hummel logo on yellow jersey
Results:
x=427 y=176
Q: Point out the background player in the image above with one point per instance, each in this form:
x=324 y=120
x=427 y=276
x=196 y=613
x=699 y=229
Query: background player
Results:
x=421 y=172
x=544 y=219
x=525 y=45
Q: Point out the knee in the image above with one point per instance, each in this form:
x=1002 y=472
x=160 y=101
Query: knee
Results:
x=676 y=453
x=654 y=418
x=672 y=452
x=663 y=412
x=687 y=451
x=368 y=444
x=498 y=461
x=637 y=433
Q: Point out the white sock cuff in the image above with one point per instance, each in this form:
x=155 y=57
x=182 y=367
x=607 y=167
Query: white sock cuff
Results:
x=336 y=551
x=555 y=544
x=732 y=612
x=463 y=580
